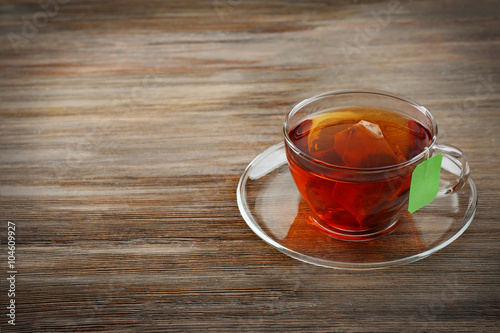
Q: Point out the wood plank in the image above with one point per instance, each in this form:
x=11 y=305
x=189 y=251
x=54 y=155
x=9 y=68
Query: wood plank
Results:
x=125 y=127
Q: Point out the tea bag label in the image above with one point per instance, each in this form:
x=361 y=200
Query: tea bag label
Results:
x=425 y=183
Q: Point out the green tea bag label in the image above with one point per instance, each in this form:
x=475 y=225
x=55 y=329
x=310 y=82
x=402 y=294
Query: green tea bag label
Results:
x=425 y=183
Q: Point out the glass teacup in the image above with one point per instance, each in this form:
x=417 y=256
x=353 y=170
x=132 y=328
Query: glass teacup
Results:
x=352 y=154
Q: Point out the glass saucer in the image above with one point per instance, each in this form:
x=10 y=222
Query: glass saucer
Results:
x=273 y=208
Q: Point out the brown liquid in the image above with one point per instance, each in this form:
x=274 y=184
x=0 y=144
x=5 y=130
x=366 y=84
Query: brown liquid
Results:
x=360 y=138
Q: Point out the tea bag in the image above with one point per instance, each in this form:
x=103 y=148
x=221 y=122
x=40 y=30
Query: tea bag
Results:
x=363 y=145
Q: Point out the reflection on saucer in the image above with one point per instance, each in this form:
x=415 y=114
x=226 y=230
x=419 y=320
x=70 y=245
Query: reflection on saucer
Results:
x=435 y=221
x=303 y=237
x=278 y=204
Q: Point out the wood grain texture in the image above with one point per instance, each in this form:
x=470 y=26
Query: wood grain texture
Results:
x=124 y=129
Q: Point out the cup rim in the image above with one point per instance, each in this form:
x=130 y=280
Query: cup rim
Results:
x=339 y=168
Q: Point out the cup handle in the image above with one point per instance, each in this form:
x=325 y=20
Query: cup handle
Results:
x=455 y=162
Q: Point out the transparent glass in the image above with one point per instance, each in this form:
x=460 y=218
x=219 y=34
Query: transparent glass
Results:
x=275 y=210
x=354 y=203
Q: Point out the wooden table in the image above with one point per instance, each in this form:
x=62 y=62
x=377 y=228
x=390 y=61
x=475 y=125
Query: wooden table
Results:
x=125 y=127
